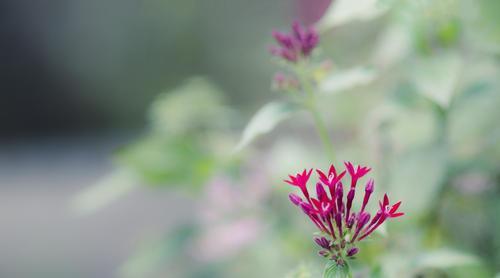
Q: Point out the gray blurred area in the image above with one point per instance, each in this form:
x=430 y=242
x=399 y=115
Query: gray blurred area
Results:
x=43 y=236
x=76 y=78
x=78 y=66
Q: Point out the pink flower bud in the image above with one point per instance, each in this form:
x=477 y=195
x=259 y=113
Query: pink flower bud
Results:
x=296 y=200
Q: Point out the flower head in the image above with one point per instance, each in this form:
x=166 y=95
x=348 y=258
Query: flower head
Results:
x=341 y=229
x=295 y=45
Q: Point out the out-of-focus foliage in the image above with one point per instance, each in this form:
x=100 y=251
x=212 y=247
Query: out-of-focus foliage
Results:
x=180 y=148
x=187 y=142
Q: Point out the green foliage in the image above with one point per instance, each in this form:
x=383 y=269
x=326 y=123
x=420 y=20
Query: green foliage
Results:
x=436 y=76
x=169 y=161
x=178 y=150
x=108 y=189
x=302 y=271
x=194 y=106
x=444 y=259
x=182 y=148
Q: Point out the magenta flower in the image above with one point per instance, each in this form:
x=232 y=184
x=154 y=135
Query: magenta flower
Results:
x=341 y=229
x=300 y=180
x=295 y=45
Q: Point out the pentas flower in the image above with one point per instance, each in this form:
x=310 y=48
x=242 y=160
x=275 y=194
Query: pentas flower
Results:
x=300 y=180
x=331 y=213
x=297 y=44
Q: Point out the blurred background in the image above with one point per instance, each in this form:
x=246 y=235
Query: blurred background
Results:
x=119 y=122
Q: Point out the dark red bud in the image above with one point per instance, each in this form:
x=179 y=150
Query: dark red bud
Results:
x=322 y=242
x=351 y=252
x=350 y=221
x=323 y=253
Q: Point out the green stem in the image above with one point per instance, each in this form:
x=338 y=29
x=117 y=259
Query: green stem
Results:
x=311 y=105
x=322 y=131
x=433 y=220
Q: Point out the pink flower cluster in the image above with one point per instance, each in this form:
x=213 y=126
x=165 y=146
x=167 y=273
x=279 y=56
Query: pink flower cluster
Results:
x=331 y=212
x=299 y=43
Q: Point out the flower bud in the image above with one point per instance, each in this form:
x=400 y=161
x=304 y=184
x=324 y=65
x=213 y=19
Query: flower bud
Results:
x=322 y=242
x=350 y=221
x=370 y=185
x=320 y=192
x=323 y=253
x=307 y=208
x=296 y=200
x=351 y=252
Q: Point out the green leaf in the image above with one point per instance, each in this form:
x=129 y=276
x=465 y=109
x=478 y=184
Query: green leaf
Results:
x=348 y=79
x=344 y=11
x=407 y=182
x=332 y=270
x=437 y=76
x=446 y=258
x=195 y=105
x=107 y=190
x=181 y=161
x=265 y=120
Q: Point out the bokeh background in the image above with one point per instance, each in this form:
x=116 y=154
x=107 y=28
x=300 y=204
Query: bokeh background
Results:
x=122 y=155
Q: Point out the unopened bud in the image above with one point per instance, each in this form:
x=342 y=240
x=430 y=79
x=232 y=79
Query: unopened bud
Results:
x=323 y=253
x=296 y=200
x=353 y=251
x=322 y=242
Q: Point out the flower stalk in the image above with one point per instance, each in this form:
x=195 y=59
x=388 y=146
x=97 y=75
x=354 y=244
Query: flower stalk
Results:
x=296 y=49
x=341 y=228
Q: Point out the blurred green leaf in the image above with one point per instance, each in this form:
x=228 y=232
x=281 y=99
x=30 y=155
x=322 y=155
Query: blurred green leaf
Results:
x=347 y=79
x=416 y=176
x=346 y=11
x=446 y=258
x=332 y=270
x=302 y=271
x=473 y=119
x=169 y=161
x=108 y=189
x=484 y=24
x=195 y=105
x=265 y=120
x=437 y=76
x=376 y=271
